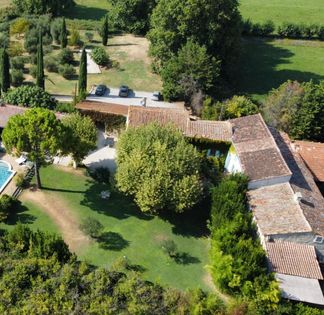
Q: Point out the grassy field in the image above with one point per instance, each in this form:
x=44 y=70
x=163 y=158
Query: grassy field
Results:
x=128 y=232
x=265 y=64
x=279 y=11
x=90 y=9
x=134 y=67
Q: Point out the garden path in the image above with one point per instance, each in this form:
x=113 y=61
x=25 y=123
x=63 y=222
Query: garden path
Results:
x=58 y=211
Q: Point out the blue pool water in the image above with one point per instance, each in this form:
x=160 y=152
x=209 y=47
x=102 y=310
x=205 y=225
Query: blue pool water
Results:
x=5 y=173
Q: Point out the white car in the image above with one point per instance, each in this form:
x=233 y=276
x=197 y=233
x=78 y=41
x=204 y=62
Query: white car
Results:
x=156 y=96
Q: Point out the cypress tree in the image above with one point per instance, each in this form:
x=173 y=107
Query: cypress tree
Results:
x=63 y=36
x=83 y=73
x=104 y=31
x=40 y=81
x=4 y=71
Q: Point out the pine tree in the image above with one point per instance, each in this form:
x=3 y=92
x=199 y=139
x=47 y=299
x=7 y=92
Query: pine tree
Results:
x=40 y=81
x=104 y=31
x=63 y=36
x=83 y=73
x=4 y=71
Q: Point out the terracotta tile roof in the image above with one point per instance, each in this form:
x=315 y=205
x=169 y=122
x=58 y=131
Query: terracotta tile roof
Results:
x=294 y=259
x=214 y=130
x=275 y=210
x=313 y=155
x=108 y=108
x=302 y=181
x=7 y=111
x=258 y=153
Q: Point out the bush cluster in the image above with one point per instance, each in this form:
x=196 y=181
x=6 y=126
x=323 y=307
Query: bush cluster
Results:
x=100 y=56
x=30 y=96
x=7 y=205
x=238 y=261
x=285 y=30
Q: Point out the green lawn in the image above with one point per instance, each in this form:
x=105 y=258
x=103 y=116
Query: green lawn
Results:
x=130 y=233
x=279 y=11
x=89 y=9
x=31 y=215
x=265 y=64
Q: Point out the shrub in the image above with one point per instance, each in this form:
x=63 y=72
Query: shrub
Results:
x=15 y=49
x=30 y=96
x=19 y=26
x=4 y=40
x=89 y=36
x=33 y=71
x=65 y=108
x=17 y=77
x=100 y=56
x=56 y=27
x=67 y=71
x=320 y=33
x=75 y=39
x=17 y=63
x=7 y=204
x=101 y=175
x=290 y=30
x=66 y=56
x=170 y=248
x=51 y=64
x=91 y=227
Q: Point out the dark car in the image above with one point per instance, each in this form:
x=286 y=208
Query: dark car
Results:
x=101 y=90
x=123 y=91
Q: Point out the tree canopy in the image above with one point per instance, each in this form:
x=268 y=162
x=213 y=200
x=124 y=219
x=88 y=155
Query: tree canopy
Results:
x=38 y=133
x=191 y=63
x=214 y=24
x=297 y=108
x=82 y=135
x=132 y=15
x=235 y=107
x=158 y=168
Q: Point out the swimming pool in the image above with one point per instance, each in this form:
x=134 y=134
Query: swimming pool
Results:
x=6 y=174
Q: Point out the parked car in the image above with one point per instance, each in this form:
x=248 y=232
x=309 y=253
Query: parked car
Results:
x=156 y=96
x=101 y=90
x=124 y=91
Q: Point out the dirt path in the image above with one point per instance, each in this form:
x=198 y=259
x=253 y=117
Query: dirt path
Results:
x=58 y=211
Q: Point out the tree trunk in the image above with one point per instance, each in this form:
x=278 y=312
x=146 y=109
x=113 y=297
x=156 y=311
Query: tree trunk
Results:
x=75 y=164
x=38 y=180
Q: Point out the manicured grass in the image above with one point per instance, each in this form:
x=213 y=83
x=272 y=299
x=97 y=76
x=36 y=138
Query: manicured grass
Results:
x=279 y=11
x=31 y=215
x=89 y=9
x=132 y=234
x=266 y=64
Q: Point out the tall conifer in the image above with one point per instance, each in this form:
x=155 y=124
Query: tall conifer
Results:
x=83 y=73
x=63 y=36
x=105 y=30
x=4 y=71
x=40 y=81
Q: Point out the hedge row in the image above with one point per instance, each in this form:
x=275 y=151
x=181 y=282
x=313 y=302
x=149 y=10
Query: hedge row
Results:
x=285 y=30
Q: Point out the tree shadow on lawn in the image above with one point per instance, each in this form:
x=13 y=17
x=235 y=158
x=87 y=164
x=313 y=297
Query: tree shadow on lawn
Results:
x=118 y=205
x=19 y=216
x=185 y=259
x=193 y=222
x=112 y=241
x=258 y=73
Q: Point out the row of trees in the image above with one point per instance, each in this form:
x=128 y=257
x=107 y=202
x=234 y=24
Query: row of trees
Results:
x=41 y=135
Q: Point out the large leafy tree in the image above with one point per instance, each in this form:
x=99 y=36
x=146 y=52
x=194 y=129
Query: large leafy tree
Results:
x=4 y=71
x=37 y=133
x=40 y=77
x=158 y=168
x=191 y=63
x=83 y=135
x=132 y=15
x=214 y=24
